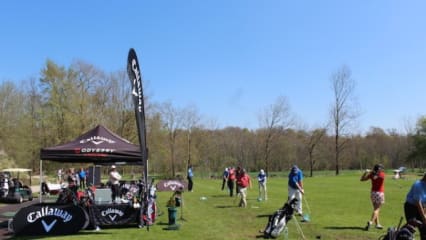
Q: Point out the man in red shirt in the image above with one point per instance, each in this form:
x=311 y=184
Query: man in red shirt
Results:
x=377 y=177
x=243 y=181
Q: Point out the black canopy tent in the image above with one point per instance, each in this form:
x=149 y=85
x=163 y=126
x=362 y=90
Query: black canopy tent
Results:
x=99 y=146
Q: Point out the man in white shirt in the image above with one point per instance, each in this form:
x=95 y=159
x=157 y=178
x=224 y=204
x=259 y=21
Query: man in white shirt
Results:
x=114 y=178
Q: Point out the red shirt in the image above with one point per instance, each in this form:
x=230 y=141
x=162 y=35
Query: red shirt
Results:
x=378 y=182
x=243 y=180
x=231 y=174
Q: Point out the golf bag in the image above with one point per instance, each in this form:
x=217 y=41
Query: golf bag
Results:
x=278 y=221
x=406 y=232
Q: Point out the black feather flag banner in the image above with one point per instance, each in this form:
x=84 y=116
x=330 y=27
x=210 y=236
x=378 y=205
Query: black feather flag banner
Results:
x=135 y=77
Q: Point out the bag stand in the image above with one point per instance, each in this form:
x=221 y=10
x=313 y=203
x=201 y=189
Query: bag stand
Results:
x=181 y=207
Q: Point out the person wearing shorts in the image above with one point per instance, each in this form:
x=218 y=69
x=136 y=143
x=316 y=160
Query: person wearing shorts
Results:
x=377 y=195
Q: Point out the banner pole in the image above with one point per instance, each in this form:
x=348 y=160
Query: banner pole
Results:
x=135 y=77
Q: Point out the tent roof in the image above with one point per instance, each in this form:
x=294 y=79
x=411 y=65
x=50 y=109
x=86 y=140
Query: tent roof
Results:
x=99 y=146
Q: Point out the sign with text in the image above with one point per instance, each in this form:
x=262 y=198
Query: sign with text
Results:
x=49 y=219
x=113 y=214
x=172 y=185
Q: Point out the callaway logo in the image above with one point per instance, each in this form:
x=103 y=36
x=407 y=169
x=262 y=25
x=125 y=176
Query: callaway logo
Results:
x=112 y=213
x=173 y=185
x=49 y=211
x=137 y=85
x=48 y=227
x=97 y=140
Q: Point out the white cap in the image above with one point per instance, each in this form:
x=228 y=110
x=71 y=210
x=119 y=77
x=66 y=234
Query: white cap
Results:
x=113 y=166
x=261 y=171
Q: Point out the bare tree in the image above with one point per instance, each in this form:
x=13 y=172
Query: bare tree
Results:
x=173 y=122
x=314 y=137
x=276 y=116
x=343 y=111
x=190 y=119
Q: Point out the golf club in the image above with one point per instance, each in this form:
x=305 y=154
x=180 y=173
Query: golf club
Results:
x=306 y=216
x=299 y=229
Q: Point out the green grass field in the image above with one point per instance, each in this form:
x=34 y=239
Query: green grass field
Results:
x=340 y=207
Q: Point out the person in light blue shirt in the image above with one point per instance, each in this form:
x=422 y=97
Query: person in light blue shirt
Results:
x=190 y=175
x=261 y=178
x=414 y=205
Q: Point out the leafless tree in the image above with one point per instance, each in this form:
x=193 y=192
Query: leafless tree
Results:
x=276 y=116
x=314 y=138
x=343 y=111
x=190 y=120
x=173 y=122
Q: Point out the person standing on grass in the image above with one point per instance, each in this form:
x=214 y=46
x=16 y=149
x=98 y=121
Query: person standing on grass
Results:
x=261 y=178
x=243 y=181
x=189 y=176
x=114 y=179
x=414 y=205
x=82 y=176
x=377 y=195
x=224 y=178
x=295 y=187
x=60 y=175
x=237 y=176
x=71 y=180
x=231 y=180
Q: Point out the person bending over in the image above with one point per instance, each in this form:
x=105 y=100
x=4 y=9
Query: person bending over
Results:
x=414 y=205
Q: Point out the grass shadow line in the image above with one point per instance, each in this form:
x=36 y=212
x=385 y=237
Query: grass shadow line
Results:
x=225 y=206
x=344 y=228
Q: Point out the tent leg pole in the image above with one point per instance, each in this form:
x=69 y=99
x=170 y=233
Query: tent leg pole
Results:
x=41 y=181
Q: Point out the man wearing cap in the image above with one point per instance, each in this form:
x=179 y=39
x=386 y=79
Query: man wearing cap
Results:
x=414 y=205
x=295 y=187
x=114 y=179
x=261 y=178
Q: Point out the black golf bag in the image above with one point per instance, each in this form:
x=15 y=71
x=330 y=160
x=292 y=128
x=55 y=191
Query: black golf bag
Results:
x=278 y=221
x=406 y=232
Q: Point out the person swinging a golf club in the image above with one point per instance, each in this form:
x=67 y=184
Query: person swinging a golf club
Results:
x=295 y=187
x=377 y=195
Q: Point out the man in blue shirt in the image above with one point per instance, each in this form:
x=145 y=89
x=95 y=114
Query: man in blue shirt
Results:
x=414 y=205
x=295 y=187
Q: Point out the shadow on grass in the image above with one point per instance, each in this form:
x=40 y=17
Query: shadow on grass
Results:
x=344 y=228
x=226 y=206
x=263 y=216
x=221 y=196
x=162 y=223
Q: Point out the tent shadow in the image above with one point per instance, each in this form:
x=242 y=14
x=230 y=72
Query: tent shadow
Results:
x=345 y=228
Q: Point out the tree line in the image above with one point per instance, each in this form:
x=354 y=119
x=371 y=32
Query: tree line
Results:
x=63 y=102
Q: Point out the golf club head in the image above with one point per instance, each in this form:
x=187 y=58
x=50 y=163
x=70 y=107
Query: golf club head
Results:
x=306 y=218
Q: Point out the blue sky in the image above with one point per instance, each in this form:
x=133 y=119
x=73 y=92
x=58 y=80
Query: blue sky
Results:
x=232 y=58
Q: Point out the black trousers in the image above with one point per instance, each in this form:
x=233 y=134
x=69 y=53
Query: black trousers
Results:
x=223 y=184
x=231 y=187
x=115 y=191
x=190 y=183
x=411 y=212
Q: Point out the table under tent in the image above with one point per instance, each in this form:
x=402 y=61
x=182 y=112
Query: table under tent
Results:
x=101 y=147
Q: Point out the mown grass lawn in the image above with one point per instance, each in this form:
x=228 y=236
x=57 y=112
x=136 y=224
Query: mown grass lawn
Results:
x=340 y=208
